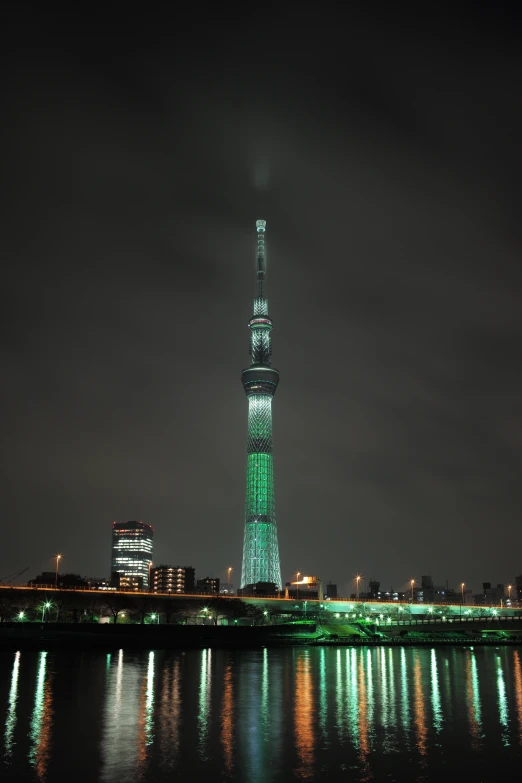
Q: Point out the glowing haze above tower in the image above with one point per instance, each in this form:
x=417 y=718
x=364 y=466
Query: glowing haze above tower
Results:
x=260 y=549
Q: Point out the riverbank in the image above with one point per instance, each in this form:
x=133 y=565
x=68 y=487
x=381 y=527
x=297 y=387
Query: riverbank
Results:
x=109 y=636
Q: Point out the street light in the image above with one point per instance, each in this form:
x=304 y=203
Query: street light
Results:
x=58 y=558
x=229 y=570
x=154 y=617
x=509 y=591
x=462 y=585
x=21 y=615
x=298 y=574
x=46 y=605
x=412 y=582
x=357 y=580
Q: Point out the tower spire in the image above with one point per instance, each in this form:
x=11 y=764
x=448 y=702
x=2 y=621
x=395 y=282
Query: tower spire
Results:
x=260 y=548
x=261 y=267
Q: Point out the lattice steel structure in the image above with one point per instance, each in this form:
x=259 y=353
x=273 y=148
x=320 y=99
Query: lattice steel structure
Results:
x=260 y=549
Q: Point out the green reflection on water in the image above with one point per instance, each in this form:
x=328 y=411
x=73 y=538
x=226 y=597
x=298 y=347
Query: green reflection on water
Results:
x=502 y=701
x=435 y=694
x=322 y=693
x=385 y=714
x=405 y=702
x=37 y=715
x=391 y=688
x=475 y=709
x=339 y=696
x=10 y=721
x=41 y=720
x=264 y=695
x=204 y=698
x=353 y=696
x=369 y=686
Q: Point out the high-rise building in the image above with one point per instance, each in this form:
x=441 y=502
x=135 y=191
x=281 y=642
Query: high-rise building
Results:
x=131 y=555
x=260 y=548
x=172 y=579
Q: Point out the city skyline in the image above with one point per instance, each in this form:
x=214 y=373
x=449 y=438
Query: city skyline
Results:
x=387 y=170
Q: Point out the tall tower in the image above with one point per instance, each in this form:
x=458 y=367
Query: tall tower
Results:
x=260 y=549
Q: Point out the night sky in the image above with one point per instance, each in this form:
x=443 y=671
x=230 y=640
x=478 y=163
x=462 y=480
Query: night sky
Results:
x=384 y=151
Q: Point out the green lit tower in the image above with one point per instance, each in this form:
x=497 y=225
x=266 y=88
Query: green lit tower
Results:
x=260 y=549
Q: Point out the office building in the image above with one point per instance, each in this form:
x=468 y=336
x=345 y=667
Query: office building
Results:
x=132 y=544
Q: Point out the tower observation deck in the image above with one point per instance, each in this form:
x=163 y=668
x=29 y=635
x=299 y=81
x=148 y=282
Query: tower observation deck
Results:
x=260 y=548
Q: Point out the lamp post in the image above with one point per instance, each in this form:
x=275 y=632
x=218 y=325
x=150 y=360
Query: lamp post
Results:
x=58 y=558
x=412 y=582
x=462 y=586
x=357 y=580
x=509 y=592
x=229 y=569
x=298 y=574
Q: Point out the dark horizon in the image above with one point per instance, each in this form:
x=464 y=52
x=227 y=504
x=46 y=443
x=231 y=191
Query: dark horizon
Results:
x=383 y=150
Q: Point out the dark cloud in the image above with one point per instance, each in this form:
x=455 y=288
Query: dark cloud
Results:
x=384 y=154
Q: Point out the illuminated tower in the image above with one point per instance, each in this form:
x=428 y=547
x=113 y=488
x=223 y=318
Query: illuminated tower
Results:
x=260 y=550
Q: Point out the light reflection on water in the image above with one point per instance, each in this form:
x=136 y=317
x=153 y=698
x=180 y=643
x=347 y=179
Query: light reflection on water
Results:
x=518 y=692
x=435 y=695
x=473 y=698
x=41 y=720
x=420 y=707
x=304 y=716
x=502 y=702
x=10 y=721
x=227 y=719
x=204 y=700
x=268 y=715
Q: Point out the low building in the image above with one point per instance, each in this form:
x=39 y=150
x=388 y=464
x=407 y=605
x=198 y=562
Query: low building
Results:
x=127 y=582
x=308 y=587
x=172 y=579
x=47 y=578
x=490 y=596
x=331 y=591
x=99 y=583
x=265 y=589
x=517 y=596
x=207 y=586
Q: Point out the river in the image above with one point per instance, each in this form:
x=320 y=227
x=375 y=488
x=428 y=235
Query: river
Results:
x=262 y=716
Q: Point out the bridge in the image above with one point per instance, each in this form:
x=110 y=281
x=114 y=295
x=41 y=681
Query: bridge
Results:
x=380 y=612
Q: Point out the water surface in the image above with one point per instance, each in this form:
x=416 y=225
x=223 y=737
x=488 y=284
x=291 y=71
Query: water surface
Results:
x=326 y=714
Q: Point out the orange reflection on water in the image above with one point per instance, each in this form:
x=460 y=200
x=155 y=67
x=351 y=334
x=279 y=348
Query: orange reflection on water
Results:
x=418 y=705
x=364 y=729
x=518 y=691
x=169 y=716
x=43 y=751
x=227 y=720
x=304 y=716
